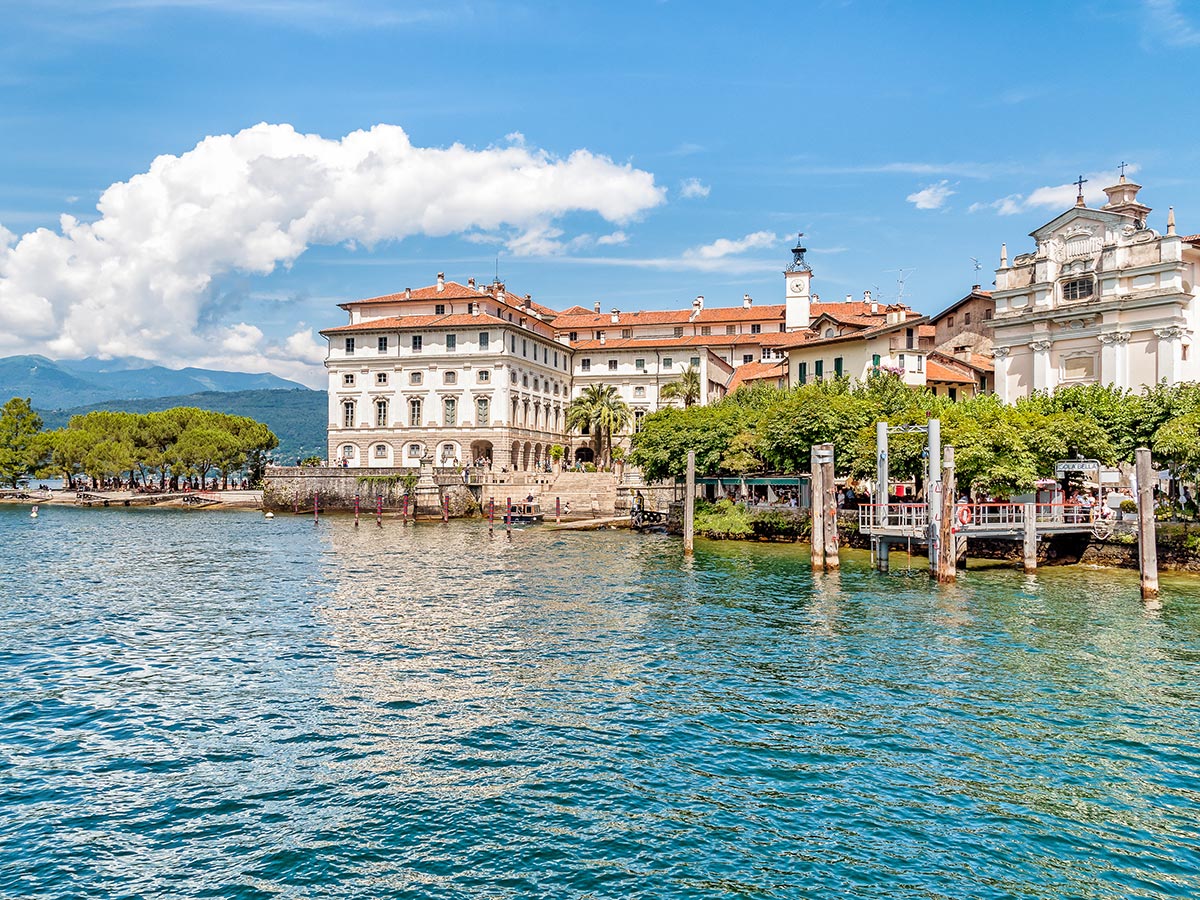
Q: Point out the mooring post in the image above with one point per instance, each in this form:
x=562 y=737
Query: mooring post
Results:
x=689 y=505
x=817 y=510
x=316 y=506
x=558 y=510
x=379 y=510
x=492 y=516
x=1147 y=537
x=445 y=509
x=948 y=552
x=882 y=555
x=933 y=494
x=356 y=510
x=508 y=516
x=881 y=474
x=1030 y=538
x=832 y=560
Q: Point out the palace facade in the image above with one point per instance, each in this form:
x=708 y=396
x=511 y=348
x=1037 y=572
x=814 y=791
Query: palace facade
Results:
x=1102 y=299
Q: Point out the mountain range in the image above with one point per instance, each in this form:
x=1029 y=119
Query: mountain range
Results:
x=68 y=384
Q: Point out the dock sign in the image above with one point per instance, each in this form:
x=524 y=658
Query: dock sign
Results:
x=1063 y=466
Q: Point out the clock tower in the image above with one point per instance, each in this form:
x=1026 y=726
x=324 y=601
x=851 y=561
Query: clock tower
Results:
x=797 y=290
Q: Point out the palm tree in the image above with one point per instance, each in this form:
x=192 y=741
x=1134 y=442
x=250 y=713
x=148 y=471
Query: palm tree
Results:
x=687 y=388
x=600 y=410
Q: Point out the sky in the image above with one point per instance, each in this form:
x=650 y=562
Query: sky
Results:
x=201 y=182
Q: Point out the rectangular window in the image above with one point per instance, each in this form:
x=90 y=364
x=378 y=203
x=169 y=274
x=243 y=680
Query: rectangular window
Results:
x=381 y=412
x=756 y=328
x=875 y=360
x=381 y=377
x=706 y=330
x=920 y=364
x=747 y=358
x=731 y=329
x=414 y=413
x=837 y=366
x=483 y=376
x=545 y=356
x=638 y=416
x=1077 y=289
x=439 y=309
x=417 y=340
x=585 y=365
x=612 y=365
x=348 y=380
x=556 y=359
x=640 y=365
x=573 y=336
x=451 y=343
x=383 y=344
x=451 y=406
x=901 y=357
x=348 y=414
x=667 y=362
x=678 y=331
x=953 y=393
x=987 y=314
x=484 y=338
x=512 y=343
x=524 y=347
x=626 y=332
x=783 y=326
x=349 y=346
x=639 y=391
x=909 y=336
x=819 y=368
x=949 y=321
x=802 y=373
x=481 y=411
x=695 y=362
x=966 y=318
x=381 y=451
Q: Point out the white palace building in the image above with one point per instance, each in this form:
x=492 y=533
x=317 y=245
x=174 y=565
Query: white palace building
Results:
x=461 y=372
x=1104 y=299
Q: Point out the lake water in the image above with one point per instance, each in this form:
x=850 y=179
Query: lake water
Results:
x=216 y=705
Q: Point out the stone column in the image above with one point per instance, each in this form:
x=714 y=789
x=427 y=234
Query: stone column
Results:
x=1168 y=352
x=1043 y=379
x=1000 y=386
x=1114 y=358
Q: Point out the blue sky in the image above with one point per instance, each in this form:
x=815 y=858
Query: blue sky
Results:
x=896 y=135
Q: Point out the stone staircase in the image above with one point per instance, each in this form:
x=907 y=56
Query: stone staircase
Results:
x=591 y=494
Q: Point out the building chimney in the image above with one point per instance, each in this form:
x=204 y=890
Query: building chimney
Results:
x=528 y=297
x=616 y=315
x=697 y=308
x=867 y=298
x=470 y=282
x=849 y=298
x=476 y=308
x=408 y=293
x=441 y=285
x=597 y=307
x=602 y=339
x=500 y=293
x=747 y=301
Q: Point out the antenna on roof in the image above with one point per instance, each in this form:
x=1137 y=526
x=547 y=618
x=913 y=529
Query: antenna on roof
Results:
x=497 y=281
x=901 y=275
x=975 y=264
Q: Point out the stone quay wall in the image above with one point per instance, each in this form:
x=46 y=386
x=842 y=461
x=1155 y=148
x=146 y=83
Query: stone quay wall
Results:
x=288 y=488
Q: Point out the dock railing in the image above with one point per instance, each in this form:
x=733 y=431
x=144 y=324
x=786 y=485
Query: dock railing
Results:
x=892 y=517
x=913 y=518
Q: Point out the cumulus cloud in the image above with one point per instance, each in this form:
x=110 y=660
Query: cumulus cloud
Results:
x=6 y=237
x=138 y=280
x=1056 y=196
x=692 y=187
x=931 y=197
x=723 y=247
x=612 y=240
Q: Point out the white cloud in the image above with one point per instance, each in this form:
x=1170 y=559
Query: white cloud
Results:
x=612 y=240
x=931 y=197
x=692 y=187
x=723 y=247
x=6 y=237
x=1164 y=23
x=242 y=338
x=139 y=279
x=1057 y=196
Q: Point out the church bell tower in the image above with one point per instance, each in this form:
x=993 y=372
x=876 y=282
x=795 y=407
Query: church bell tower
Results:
x=797 y=280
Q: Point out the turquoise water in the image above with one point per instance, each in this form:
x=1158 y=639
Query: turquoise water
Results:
x=214 y=705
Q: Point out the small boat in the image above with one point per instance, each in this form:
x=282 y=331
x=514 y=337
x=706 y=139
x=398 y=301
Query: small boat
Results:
x=526 y=512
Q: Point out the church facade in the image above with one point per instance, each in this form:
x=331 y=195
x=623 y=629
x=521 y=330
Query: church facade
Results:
x=1102 y=299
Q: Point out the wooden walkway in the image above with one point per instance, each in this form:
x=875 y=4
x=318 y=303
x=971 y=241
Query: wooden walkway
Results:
x=1000 y=521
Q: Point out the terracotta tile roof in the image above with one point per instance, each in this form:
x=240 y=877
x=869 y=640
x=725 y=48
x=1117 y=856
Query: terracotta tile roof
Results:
x=926 y=331
x=806 y=338
x=575 y=311
x=707 y=316
x=757 y=371
x=974 y=295
x=692 y=340
x=1192 y=239
x=451 y=290
x=393 y=323
x=935 y=371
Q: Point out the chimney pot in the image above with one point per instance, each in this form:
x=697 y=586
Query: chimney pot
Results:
x=441 y=282
x=597 y=307
x=747 y=301
x=616 y=315
x=408 y=293
x=849 y=298
x=470 y=282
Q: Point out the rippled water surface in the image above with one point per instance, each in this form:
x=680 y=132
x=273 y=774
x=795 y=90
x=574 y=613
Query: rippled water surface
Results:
x=215 y=705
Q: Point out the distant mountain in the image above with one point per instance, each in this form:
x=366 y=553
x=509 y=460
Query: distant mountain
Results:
x=298 y=417
x=66 y=384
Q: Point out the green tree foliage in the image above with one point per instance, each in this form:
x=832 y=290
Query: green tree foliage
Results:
x=24 y=449
x=173 y=443
x=687 y=388
x=999 y=449
x=601 y=411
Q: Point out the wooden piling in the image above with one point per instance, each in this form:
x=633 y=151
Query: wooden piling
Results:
x=492 y=516
x=1030 y=543
x=1147 y=536
x=948 y=545
x=379 y=510
x=832 y=561
x=508 y=516
x=558 y=510
x=356 y=510
x=817 y=510
x=316 y=506
x=404 y=511
x=445 y=509
x=689 y=505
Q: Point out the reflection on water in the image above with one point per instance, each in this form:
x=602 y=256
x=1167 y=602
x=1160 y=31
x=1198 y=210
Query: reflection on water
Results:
x=205 y=704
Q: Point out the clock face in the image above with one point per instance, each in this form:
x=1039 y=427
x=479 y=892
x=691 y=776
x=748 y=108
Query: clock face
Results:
x=797 y=287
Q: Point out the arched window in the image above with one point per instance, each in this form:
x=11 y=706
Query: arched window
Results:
x=414 y=378
x=348 y=451
x=481 y=411
x=450 y=378
x=451 y=406
x=381 y=451
x=381 y=413
x=348 y=414
x=414 y=413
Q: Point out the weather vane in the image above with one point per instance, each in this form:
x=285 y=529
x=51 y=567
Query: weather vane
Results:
x=798 y=263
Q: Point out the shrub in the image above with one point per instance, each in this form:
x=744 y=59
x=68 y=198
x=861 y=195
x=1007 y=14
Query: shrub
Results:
x=1128 y=506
